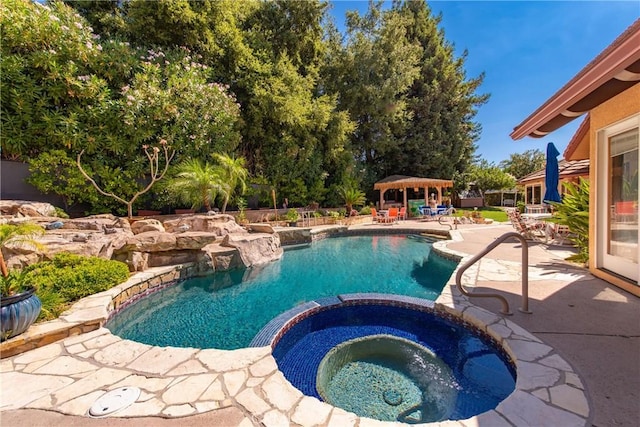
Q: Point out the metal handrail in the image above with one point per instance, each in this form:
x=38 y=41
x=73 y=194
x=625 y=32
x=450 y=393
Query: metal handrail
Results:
x=525 y=273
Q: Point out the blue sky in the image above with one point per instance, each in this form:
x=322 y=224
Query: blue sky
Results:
x=527 y=50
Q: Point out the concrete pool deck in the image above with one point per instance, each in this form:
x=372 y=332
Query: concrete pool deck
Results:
x=591 y=324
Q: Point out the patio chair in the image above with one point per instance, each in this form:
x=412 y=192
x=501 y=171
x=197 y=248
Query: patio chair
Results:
x=379 y=218
x=530 y=231
x=374 y=215
x=427 y=213
x=559 y=233
x=393 y=215
x=402 y=214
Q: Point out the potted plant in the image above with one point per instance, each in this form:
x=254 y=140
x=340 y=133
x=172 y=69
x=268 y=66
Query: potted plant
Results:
x=292 y=217
x=19 y=305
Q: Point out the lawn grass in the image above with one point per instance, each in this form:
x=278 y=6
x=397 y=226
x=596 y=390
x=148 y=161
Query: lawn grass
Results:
x=487 y=212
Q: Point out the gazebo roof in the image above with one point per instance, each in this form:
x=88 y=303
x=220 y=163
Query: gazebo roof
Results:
x=403 y=181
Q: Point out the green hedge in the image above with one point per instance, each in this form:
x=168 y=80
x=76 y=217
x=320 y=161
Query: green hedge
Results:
x=68 y=278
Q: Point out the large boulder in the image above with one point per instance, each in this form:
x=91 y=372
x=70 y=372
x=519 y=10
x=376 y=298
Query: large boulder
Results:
x=42 y=221
x=97 y=222
x=194 y=239
x=255 y=249
x=22 y=208
x=159 y=259
x=145 y=225
x=211 y=242
x=261 y=228
x=84 y=242
x=219 y=258
x=137 y=261
x=150 y=241
x=220 y=225
x=295 y=235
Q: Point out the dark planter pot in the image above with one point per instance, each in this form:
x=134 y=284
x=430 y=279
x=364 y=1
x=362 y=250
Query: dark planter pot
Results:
x=18 y=312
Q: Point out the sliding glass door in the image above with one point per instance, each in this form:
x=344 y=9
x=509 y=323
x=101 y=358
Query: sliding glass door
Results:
x=618 y=188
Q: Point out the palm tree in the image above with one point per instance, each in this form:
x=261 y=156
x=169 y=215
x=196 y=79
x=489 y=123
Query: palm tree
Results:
x=198 y=183
x=22 y=234
x=234 y=174
x=351 y=196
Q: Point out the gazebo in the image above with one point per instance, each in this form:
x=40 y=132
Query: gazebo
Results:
x=402 y=182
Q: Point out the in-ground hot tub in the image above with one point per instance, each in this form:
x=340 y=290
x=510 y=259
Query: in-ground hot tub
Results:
x=391 y=358
x=387 y=378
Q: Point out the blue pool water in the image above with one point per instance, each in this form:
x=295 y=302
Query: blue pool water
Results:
x=478 y=377
x=226 y=309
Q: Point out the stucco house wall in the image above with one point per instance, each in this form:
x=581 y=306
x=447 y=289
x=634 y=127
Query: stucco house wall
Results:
x=616 y=109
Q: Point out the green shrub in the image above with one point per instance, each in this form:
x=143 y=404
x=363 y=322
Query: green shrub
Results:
x=52 y=304
x=334 y=214
x=68 y=278
x=365 y=210
x=60 y=213
x=292 y=215
x=573 y=212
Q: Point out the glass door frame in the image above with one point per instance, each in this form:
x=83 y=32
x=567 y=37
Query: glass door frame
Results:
x=604 y=212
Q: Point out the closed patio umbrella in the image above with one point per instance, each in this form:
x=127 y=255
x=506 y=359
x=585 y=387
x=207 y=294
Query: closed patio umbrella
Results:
x=551 y=175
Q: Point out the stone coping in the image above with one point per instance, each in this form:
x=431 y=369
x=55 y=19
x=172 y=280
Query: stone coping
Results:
x=92 y=312
x=77 y=367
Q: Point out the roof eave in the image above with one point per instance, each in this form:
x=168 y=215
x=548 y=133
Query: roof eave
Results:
x=610 y=64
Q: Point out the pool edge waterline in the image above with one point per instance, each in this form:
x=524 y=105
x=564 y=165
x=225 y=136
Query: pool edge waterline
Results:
x=240 y=302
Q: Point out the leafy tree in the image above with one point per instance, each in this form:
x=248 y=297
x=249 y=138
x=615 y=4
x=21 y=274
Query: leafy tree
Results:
x=370 y=75
x=65 y=90
x=439 y=139
x=214 y=29
x=156 y=173
x=171 y=98
x=105 y=16
x=293 y=131
x=522 y=164
x=198 y=183
x=488 y=176
x=47 y=90
x=270 y=54
x=400 y=81
x=233 y=173
x=55 y=172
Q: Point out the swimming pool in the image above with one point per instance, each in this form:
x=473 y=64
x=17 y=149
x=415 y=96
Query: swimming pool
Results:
x=226 y=310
